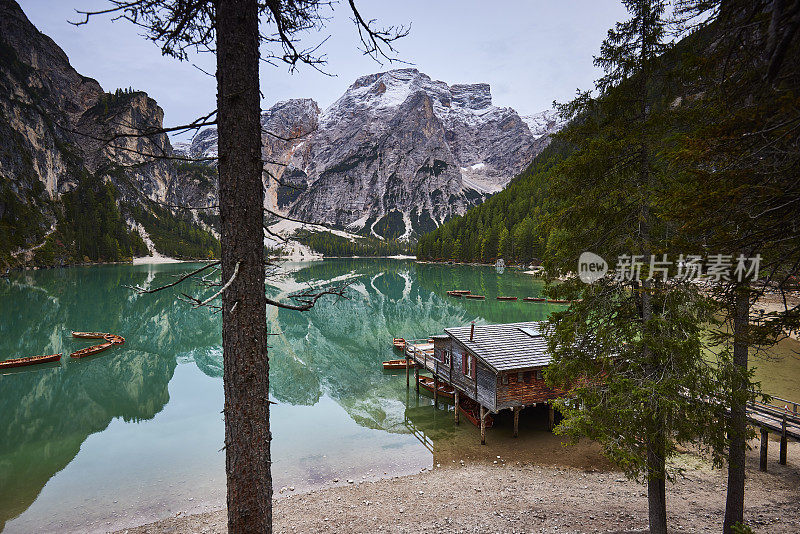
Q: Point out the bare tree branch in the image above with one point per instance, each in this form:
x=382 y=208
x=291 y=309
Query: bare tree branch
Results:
x=142 y=290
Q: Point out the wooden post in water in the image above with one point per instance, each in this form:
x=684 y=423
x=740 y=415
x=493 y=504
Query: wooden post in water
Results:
x=551 y=416
x=407 y=373
x=435 y=391
x=456 y=405
x=416 y=379
x=764 y=437
x=782 y=457
x=516 y=421
x=483 y=425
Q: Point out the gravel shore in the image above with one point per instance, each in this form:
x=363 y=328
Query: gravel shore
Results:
x=511 y=496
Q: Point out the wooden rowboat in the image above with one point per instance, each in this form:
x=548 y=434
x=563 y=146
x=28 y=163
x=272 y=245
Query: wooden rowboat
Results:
x=399 y=343
x=534 y=299
x=478 y=297
x=94 y=349
x=506 y=298
x=30 y=360
x=114 y=339
x=90 y=335
x=473 y=413
x=444 y=389
x=455 y=294
x=461 y=291
x=393 y=365
x=557 y=301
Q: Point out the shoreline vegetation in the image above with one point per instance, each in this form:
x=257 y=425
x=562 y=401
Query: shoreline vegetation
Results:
x=510 y=496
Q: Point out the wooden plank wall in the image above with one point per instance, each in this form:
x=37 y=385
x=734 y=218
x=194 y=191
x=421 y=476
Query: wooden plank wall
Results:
x=522 y=392
x=487 y=385
x=459 y=380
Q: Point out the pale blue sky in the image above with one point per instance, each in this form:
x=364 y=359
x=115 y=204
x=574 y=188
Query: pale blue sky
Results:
x=530 y=52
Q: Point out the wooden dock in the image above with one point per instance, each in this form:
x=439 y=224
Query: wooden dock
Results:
x=779 y=416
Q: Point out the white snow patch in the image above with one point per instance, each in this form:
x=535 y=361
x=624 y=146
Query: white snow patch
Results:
x=544 y=123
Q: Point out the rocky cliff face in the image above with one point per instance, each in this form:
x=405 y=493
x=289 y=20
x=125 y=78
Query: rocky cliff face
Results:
x=54 y=128
x=395 y=156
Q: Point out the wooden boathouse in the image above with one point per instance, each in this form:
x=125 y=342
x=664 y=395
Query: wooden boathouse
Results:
x=498 y=367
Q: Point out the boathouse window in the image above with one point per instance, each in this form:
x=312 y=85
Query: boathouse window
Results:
x=505 y=379
x=539 y=375
x=519 y=377
x=469 y=365
x=527 y=377
x=446 y=356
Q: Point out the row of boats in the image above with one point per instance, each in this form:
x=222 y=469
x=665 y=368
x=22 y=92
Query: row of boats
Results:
x=467 y=294
x=109 y=340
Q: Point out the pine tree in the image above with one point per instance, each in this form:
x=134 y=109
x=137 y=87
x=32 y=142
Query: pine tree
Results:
x=631 y=351
x=738 y=190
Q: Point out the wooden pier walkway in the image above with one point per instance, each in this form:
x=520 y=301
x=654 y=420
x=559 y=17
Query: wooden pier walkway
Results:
x=779 y=416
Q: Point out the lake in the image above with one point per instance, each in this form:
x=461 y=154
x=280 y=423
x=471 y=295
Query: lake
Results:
x=135 y=433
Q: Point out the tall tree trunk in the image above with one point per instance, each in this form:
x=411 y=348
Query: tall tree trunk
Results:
x=737 y=429
x=656 y=484
x=244 y=321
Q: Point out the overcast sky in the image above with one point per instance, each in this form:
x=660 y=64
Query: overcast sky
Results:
x=530 y=52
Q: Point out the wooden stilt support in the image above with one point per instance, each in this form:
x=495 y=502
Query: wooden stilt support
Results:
x=783 y=442
x=764 y=439
x=407 y=373
x=456 y=410
x=416 y=379
x=516 y=421
x=551 y=416
x=783 y=451
x=435 y=392
x=483 y=425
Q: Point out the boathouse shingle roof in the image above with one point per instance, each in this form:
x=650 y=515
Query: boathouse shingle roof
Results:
x=505 y=347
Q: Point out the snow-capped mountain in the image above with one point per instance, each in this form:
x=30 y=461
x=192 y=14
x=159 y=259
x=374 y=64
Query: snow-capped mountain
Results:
x=544 y=123
x=396 y=155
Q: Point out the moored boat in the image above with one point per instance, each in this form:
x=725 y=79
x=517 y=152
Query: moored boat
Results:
x=392 y=365
x=455 y=294
x=473 y=413
x=30 y=360
x=114 y=339
x=94 y=349
x=506 y=298
x=399 y=343
x=557 y=301
x=477 y=297
x=461 y=291
x=534 y=299
x=89 y=335
x=444 y=390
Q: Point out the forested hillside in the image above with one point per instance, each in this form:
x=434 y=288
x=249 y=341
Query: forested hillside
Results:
x=508 y=225
x=519 y=223
x=331 y=245
x=79 y=181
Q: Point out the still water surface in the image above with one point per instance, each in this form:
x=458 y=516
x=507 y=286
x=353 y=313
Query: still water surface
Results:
x=135 y=433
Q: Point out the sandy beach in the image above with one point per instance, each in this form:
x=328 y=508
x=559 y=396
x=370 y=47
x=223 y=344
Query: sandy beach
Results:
x=155 y=259
x=511 y=496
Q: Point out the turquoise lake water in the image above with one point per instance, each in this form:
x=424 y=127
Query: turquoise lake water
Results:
x=134 y=434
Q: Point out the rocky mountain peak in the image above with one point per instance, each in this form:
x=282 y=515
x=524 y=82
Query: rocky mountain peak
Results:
x=394 y=156
x=544 y=123
x=473 y=96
